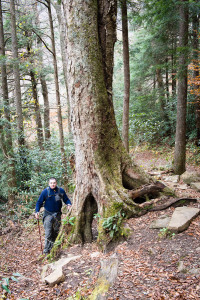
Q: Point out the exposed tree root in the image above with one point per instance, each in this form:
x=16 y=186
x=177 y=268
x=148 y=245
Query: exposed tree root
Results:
x=154 y=205
x=147 y=189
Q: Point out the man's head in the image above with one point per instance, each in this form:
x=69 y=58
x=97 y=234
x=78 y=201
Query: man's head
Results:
x=52 y=183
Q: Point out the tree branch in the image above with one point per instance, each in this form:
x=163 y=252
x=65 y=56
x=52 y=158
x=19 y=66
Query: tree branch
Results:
x=43 y=41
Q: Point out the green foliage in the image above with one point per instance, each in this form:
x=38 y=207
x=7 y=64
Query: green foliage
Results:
x=165 y=233
x=69 y=220
x=112 y=224
x=5 y=282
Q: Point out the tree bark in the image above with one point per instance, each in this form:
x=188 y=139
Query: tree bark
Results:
x=195 y=43
x=20 y=126
x=47 y=132
x=173 y=67
x=60 y=18
x=59 y=112
x=180 y=140
x=6 y=143
x=40 y=137
x=104 y=170
x=125 y=122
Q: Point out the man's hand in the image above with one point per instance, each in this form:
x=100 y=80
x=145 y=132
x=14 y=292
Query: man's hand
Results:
x=37 y=215
x=69 y=206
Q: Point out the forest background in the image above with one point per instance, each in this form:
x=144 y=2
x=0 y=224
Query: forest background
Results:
x=36 y=139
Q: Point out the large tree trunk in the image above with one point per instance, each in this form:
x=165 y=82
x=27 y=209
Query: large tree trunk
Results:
x=6 y=143
x=180 y=141
x=58 y=103
x=104 y=170
x=125 y=130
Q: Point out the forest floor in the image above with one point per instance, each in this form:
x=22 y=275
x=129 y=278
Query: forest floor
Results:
x=148 y=263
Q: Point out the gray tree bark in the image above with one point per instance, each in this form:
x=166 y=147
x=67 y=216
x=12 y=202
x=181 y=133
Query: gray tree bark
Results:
x=59 y=112
x=195 y=42
x=6 y=136
x=125 y=122
x=63 y=46
x=47 y=132
x=180 y=140
x=18 y=102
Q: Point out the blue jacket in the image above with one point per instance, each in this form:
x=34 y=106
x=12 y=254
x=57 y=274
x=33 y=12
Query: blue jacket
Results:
x=51 y=204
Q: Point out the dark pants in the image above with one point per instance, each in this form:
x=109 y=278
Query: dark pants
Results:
x=52 y=222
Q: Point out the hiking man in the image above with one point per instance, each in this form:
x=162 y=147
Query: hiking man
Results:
x=52 y=198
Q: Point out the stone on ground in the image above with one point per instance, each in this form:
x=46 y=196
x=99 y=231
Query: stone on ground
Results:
x=189 y=177
x=162 y=222
x=195 y=186
x=181 y=218
x=56 y=276
x=173 y=178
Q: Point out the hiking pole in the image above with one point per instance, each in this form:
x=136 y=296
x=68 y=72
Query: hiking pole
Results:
x=40 y=235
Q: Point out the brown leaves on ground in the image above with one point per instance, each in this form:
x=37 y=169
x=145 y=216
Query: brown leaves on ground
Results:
x=148 y=265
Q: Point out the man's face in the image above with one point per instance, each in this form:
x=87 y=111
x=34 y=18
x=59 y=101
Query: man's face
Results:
x=52 y=183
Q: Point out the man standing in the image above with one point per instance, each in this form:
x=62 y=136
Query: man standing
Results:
x=52 y=198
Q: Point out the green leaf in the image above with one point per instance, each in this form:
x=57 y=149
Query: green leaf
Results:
x=5 y=287
x=17 y=274
x=14 y=279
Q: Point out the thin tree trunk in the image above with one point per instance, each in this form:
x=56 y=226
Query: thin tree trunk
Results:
x=162 y=98
x=60 y=17
x=7 y=144
x=180 y=140
x=20 y=126
x=174 y=69
x=195 y=27
x=59 y=112
x=47 y=133
x=40 y=136
x=125 y=130
x=167 y=78
x=39 y=128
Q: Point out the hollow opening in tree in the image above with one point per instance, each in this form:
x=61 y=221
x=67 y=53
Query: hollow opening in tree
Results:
x=147 y=197
x=90 y=208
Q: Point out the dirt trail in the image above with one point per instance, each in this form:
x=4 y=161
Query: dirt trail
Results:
x=148 y=265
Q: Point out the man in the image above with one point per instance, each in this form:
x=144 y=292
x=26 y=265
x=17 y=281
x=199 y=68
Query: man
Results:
x=52 y=198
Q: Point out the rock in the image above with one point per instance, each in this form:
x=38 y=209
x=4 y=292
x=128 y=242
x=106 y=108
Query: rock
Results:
x=195 y=186
x=95 y=254
x=181 y=218
x=55 y=278
x=195 y=271
x=162 y=222
x=57 y=275
x=181 y=267
x=189 y=177
x=198 y=249
x=183 y=186
x=173 y=178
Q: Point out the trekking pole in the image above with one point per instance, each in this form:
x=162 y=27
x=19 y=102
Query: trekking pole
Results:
x=40 y=235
